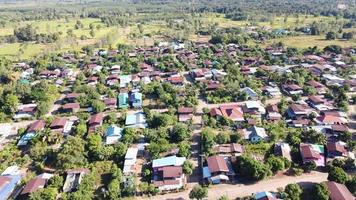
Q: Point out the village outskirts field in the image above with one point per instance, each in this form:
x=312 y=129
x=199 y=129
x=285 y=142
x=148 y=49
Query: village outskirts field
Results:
x=151 y=32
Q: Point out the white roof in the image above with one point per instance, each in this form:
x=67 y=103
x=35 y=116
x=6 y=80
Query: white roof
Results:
x=5 y=129
x=252 y=104
x=131 y=153
x=12 y=170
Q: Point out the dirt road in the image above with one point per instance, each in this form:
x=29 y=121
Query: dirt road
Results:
x=239 y=190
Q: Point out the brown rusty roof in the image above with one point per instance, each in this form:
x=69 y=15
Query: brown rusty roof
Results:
x=33 y=185
x=217 y=164
x=339 y=191
x=36 y=126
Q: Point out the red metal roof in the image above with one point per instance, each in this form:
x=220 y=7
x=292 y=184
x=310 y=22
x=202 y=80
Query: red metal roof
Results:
x=36 y=126
x=217 y=164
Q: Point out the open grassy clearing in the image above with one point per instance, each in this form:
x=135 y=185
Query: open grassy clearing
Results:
x=278 y=21
x=306 y=41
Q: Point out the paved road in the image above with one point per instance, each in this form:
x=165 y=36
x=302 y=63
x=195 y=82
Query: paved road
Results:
x=239 y=190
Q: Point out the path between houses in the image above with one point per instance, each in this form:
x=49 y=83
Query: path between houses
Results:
x=240 y=190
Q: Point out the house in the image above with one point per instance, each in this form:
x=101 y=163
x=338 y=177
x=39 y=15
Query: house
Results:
x=35 y=184
x=115 y=69
x=251 y=94
x=136 y=99
x=255 y=134
x=218 y=170
x=273 y=113
x=185 y=114
x=167 y=161
x=73 y=179
x=95 y=122
x=298 y=111
x=329 y=119
x=25 y=111
x=113 y=134
x=31 y=132
x=130 y=161
x=136 y=120
x=338 y=191
x=299 y=123
x=70 y=107
x=283 y=149
x=169 y=178
x=110 y=103
x=254 y=108
x=292 y=89
x=336 y=129
x=232 y=112
x=318 y=103
x=8 y=184
x=332 y=80
x=112 y=79
x=265 y=196
x=312 y=153
x=218 y=74
x=176 y=80
x=227 y=150
x=123 y=100
x=58 y=124
x=125 y=80
x=271 y=91
x=71 y=97
x=336 y=149
x=320 y=88
x=92 y=81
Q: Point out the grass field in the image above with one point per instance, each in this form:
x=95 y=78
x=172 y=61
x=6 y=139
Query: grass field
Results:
x=306 y=41
x=155 y=30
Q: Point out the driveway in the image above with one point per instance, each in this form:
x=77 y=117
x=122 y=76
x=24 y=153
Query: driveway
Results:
x=241 y=190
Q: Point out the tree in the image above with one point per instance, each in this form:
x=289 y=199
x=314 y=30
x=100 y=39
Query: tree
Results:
x=98 y=106
x=207 y=140
x=72 y=154
x=55 y=182
x=222 y=138
x=293 y=192
x=81 y=129
x=179 y=133
x=198 y=192
x=320 y=192
x=309 y=166
x=114 y=191
x=188 y=168
x=10 y=104
x=48 y=193
x=252 y=169
x=330 y=36
x=276 y=163
x=337 y=174
x=184 y=149
x=85 y=189
x=351 y=184
x=347 y=36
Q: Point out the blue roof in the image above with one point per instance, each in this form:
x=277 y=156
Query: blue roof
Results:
x=130 y=119
x=25 y=138
x=113 y=131
x=206 y=172
x=168 y=161
x=260 y=195
x=8 y=188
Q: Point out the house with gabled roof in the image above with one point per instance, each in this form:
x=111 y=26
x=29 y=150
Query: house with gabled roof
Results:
x=251 y=94
x=185 y=114
x=39 y=182
x=136 y=120
x=70 y=107
x=298 y=111
x=123 y=99
x=125 y=80
x=31 y=132
x=232 y=112
x=136 y=100
x=95 y=121
x=227 y=150
x=292 y=89
x=283 y=149
x=320 y=88
x=337 y=149
x=312 y=153
x=113 y=134
x=130 y=161
x=73 y=179
x=218 y=169
x=25 y=111
x=110 y=103
x=255 y=134
x=339 y=191
x=254 y=108
x=273 y=113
